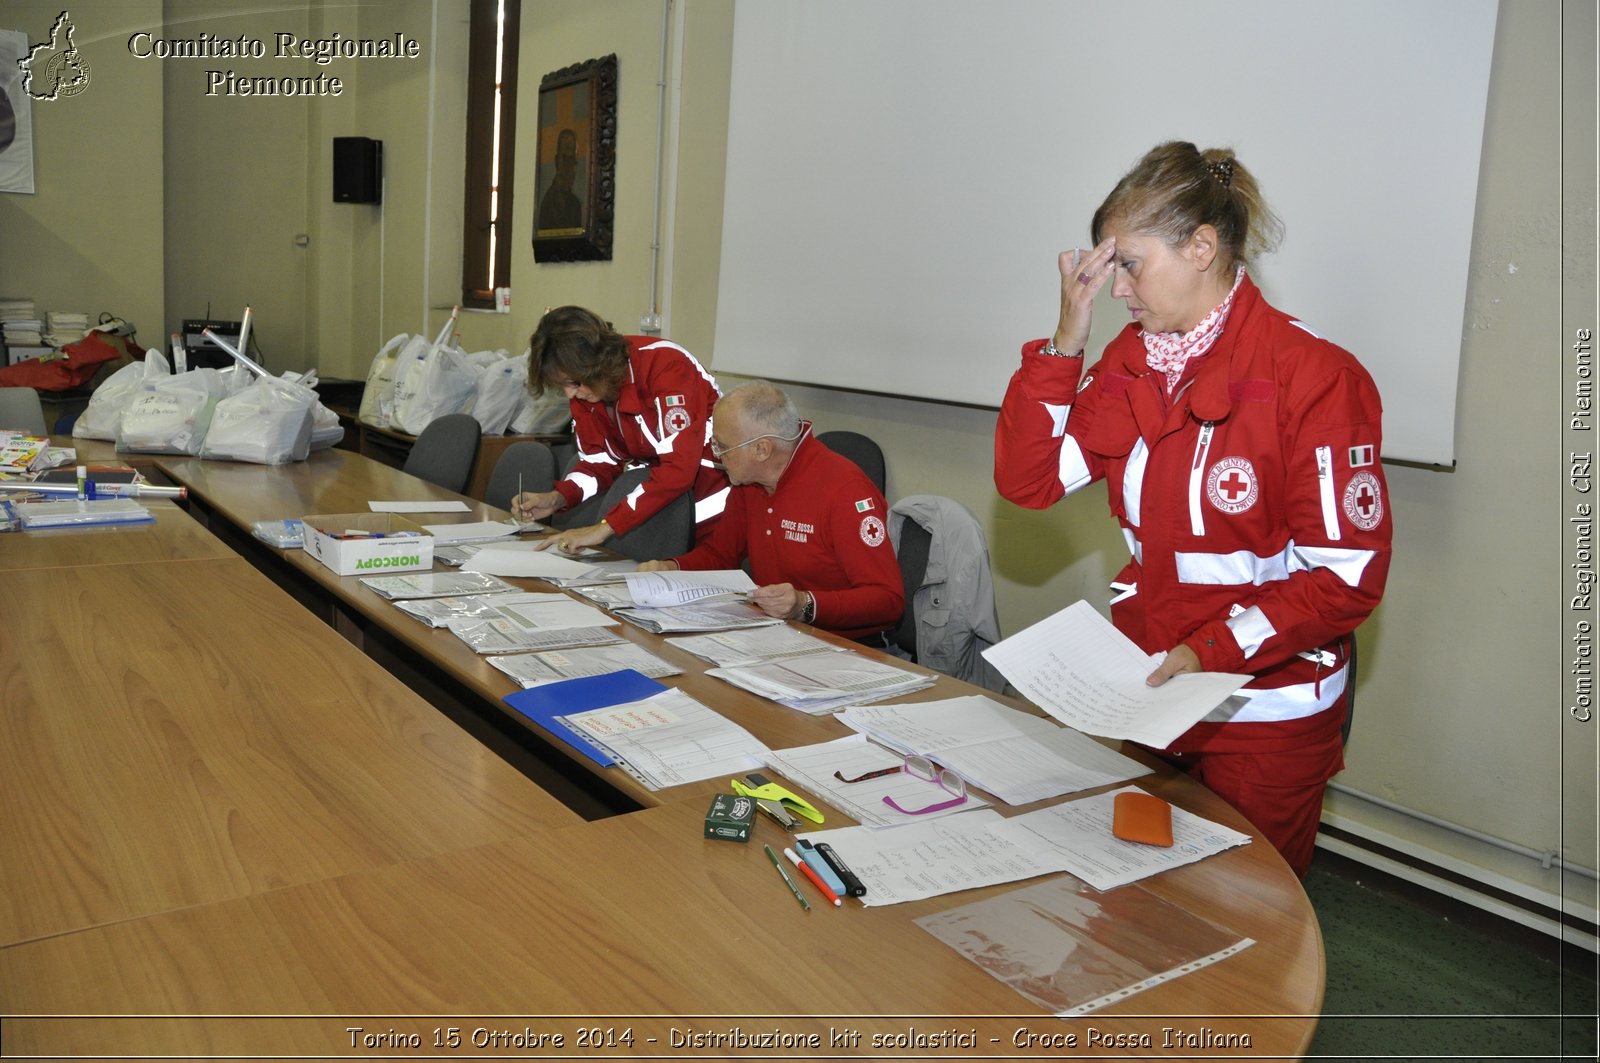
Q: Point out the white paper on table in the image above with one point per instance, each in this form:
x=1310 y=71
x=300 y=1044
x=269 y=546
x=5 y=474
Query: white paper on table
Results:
x=550 y=612
x=1087 y=674
x=433 y=506
x=671 y=738
x=550 y=666
x=1076 y=836
x=656 y=589
x=1015 y=756
x=513 y=560
x=811 y=769
x=476 y=531
x=753 y=645
x=931 y=859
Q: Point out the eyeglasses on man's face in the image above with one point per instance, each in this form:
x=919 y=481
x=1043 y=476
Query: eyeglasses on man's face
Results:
x=718 y=449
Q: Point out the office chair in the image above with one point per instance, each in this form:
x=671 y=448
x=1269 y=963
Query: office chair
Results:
x=445 y=450
x=950 y=615
x=912 y=553
x=530 y=465
x=861 y=450
x=667 y=534
x=21 y=411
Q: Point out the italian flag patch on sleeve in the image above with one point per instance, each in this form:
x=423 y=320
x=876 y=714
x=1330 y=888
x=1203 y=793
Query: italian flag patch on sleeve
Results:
x=863 y=506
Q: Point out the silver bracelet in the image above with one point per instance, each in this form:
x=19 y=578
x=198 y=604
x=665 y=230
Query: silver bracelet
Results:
x=1051 y=349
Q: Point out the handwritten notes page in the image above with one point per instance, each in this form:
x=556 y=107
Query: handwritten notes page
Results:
x=1089 y=675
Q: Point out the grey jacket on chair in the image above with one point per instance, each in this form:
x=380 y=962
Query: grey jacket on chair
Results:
x=954 y=607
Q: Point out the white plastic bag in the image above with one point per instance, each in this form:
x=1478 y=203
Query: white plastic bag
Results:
x=326 y=431
x=170 y=415
x=102 y=417
x=268 y=423
x=410 y=363
x=447 y=385
x=378 y=396
x=502 y=383
x=549 y=414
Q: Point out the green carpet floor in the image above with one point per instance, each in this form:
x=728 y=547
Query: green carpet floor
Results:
x=1412 y=975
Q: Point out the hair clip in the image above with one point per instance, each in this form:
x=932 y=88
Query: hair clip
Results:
x=1222 y=171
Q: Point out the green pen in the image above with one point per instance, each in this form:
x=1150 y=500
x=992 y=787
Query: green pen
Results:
x=801 y=897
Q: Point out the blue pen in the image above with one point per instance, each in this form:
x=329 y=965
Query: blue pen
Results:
x=823 y=869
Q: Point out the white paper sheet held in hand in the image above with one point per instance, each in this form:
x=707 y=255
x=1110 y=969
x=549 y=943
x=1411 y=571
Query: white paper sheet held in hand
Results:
x=657 y=589
x=1087 y=674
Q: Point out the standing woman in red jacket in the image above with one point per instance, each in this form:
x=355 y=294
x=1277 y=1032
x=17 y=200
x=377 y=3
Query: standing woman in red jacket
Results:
x=633 y=399
x=1240 y=455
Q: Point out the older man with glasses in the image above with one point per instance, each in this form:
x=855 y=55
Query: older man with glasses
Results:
x=808 y=519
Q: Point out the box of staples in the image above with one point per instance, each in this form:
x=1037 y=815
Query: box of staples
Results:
x=367 y=544
x=730 y=818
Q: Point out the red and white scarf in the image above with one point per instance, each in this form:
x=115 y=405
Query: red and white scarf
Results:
x=1169 y=352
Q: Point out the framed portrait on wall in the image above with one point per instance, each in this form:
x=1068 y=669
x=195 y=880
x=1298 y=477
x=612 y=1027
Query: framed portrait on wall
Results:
x=575 y=166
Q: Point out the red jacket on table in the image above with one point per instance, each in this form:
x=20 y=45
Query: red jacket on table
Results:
x=1252 y=501
x=823 y=530
x=662 y=418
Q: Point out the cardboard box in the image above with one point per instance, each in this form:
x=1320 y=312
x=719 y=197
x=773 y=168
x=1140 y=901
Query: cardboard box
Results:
x=393 y=544
x=729 y=818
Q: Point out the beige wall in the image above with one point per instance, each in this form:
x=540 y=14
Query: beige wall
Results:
x=90 y=237
x=1461 y=711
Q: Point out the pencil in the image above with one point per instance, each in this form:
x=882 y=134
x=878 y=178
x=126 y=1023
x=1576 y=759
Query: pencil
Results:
x=801 y=897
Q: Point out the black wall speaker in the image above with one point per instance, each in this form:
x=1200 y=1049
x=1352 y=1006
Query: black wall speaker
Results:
x=357 y=170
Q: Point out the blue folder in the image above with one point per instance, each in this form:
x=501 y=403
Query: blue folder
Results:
x=543 y=704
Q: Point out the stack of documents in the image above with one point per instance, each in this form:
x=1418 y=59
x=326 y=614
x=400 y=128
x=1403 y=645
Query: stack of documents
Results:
x=73 y=513
x=664 y=590
x=1087 y=674
x=18 y=326
x=436 y=585
x=671 y=739
x=716 y=616
x=63 y=327
x=481 y=531
x=535 y=669
x=754 y=645
x=598 y=573
x=821 y=683
x=520 y=622
x=442 y=612
x=1015 y=756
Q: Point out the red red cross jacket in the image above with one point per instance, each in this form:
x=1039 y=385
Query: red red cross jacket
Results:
x=824 y=530
x=662 y=417
x=1252 y=501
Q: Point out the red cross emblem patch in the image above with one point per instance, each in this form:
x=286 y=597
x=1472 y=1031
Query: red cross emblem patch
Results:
x=1231 y=485
x=677 y=419
x=1363 y=501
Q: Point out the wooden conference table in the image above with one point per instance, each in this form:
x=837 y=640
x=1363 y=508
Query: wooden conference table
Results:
x=234 y=818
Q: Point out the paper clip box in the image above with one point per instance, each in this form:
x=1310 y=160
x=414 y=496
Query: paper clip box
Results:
x=391 y=543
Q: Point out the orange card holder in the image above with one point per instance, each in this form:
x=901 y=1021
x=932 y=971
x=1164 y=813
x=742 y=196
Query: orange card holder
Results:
x=1142 y=817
